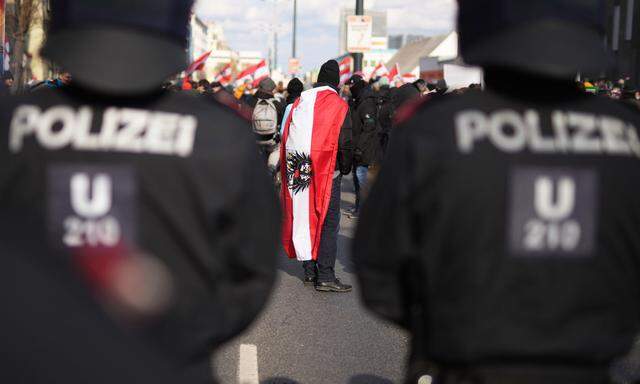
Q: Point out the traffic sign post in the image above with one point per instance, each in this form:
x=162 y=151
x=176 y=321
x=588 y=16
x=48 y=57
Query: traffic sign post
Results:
x=359 y=33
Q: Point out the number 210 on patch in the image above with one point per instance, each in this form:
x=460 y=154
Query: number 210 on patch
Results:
x=553 y=212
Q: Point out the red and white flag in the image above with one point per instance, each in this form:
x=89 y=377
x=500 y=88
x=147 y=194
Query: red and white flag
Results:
x=379 y=71
x=309 y=149
x=345 y=69
x=254 y=73
x=409 y=78
x=198 y=65
x=225 y=75
x=394 y=72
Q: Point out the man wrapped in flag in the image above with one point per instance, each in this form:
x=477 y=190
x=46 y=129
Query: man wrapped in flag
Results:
x=317 y=150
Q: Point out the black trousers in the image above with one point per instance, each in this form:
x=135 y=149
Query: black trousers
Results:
x=324 y=268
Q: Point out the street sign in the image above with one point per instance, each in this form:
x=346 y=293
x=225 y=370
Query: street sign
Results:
x=294 y=66
x=359 y=34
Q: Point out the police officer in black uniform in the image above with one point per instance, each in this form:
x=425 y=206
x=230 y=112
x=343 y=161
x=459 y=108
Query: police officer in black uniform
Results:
x=503 y=230
x=112 y=167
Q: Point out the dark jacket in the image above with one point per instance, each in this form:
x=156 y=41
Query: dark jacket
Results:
x=468 y=256
x=53 y=331
x=370 y=127
x=185 y=186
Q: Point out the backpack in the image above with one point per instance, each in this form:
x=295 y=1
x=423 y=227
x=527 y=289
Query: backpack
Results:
x=265 y=121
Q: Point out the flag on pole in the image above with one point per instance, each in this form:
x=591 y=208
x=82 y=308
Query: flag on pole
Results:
x=254 y=73
x=225 y=75
x=197 y=65
x=262 y=72
x=379 y=71
x=345 y=69
x=394 y=72
x=309 y=151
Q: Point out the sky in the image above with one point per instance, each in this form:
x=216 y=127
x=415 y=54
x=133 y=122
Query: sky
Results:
x=246 y=23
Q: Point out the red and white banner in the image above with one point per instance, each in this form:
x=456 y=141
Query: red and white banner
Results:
x=309 y=150
x=198 y=65
x=225 y=75
x=345 y=69
x=409 y=78
x=254 y=73
x=379 y=71
x=394 y=73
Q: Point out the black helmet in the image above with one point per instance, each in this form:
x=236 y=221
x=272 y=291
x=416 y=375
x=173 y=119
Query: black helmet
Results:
x=119 y=46
x=557 y=38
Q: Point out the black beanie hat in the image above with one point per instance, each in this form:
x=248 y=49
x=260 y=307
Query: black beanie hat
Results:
x=295 y=87
x=330 y=73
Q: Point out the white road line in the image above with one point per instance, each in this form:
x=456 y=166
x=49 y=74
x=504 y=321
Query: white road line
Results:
x=248 y=365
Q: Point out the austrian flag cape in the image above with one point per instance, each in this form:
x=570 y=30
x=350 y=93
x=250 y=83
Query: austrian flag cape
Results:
x=309 y=150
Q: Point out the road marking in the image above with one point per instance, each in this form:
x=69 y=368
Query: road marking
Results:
x=248 y=365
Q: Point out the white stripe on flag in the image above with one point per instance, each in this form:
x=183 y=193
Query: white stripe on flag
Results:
x=299 y=140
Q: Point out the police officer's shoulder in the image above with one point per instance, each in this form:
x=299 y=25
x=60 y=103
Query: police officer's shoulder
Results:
x=429 y=107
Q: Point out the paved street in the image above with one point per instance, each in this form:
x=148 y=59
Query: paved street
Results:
x=309 y=337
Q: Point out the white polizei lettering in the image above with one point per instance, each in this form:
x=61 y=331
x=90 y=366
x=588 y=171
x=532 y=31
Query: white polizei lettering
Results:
x=109 y=129
x=161 y=133
x=130 y=136
x=91 y=199
x=185 y=141
x=561 y=132
x=471 y=126
x=613 y=136
x=56 y=127
x=513 y=142
x=634 y=140
x=565 y=202
x=584 y=138
x=539 y=143
x=122 y=130
x=23 y=123
x=83 y=138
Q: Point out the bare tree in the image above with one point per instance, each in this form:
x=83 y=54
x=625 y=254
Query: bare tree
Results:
x=20 y=21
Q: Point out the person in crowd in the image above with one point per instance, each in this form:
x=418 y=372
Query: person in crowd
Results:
x=356 y=89
x=7 y=81
x=316 y=152
x=203 y=86
x=616 y=93
x=294 y=90
x=63 y=80
x=490 y=227
x=114 y=169
x=280 y=92
x=369 y=128
x=216 y=87
x=266 y=91
x=266 y=119
x=421 y=85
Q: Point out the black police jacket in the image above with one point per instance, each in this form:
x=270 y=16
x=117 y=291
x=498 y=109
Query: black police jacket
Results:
x=171 y=176
x=53 y=331
x=507 y=227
